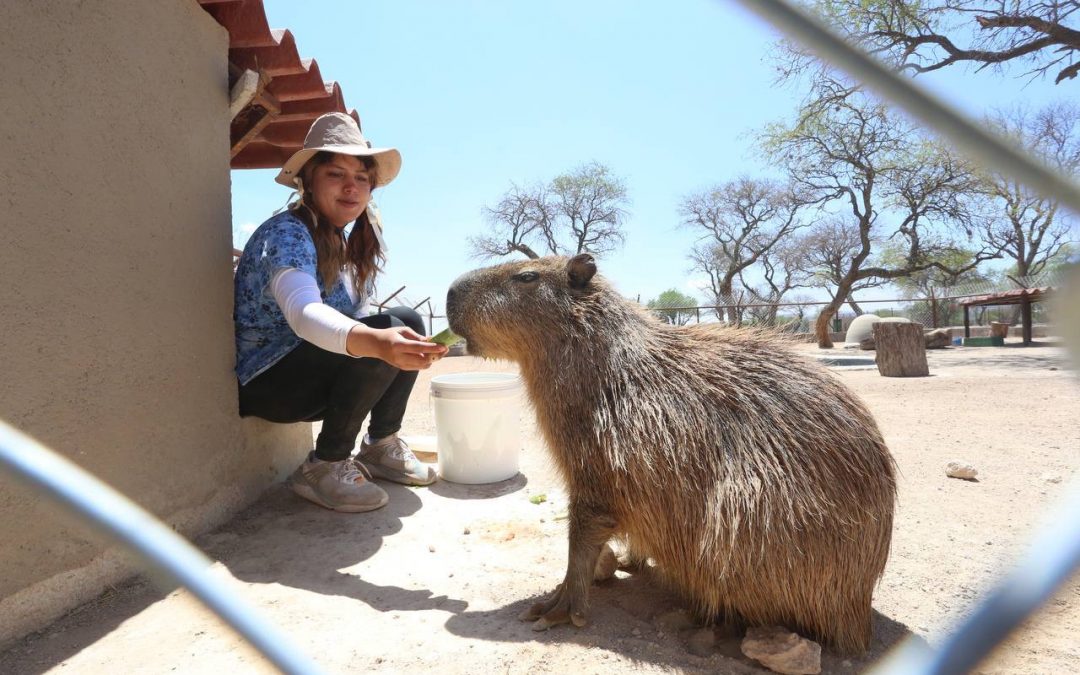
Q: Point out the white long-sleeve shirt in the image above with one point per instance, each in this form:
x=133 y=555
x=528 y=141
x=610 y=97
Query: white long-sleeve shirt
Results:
x=297 y=293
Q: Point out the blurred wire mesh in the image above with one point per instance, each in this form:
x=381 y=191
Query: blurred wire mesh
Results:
x=1054 y=555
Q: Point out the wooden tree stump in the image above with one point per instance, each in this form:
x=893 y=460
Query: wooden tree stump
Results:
x=901 y=350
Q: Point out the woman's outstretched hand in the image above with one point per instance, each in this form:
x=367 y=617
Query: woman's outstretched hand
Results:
x=399 y=346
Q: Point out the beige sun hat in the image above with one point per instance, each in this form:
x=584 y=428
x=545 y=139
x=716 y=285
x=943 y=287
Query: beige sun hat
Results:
x=337 y=132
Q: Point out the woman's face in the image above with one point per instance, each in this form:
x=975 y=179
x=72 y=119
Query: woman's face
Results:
x=340 y=189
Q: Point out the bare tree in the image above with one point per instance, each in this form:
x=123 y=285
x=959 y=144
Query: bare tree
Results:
x=827 y=251
x=588 y=205
x=923 y=283
x=783 y=268
x=582 y=211
x=739 y=222
x=850 y=155
x=515 y=224
x=928 y=35
x=760 y=311
x=797 y=317
x=1031 y=229
x=707 y=258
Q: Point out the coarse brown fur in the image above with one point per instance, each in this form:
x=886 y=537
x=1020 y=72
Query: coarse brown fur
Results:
x=757 y=482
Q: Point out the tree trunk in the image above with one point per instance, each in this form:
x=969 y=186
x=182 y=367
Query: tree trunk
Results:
x=723 y=295
x=770 y=318
x=738 y=309
x=821 y=330
x=900 y=349
x=821 y=326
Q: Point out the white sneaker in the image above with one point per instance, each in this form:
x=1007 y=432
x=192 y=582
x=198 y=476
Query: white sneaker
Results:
x=339 y=486
x=391 y=458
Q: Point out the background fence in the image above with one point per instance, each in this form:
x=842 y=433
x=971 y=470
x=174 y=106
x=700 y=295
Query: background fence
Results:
x=941 y=308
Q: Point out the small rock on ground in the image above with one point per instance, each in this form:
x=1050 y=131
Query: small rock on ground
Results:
x=961 y=470
x=782 y=651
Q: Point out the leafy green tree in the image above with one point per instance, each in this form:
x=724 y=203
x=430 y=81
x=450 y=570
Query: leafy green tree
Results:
x=674 y=307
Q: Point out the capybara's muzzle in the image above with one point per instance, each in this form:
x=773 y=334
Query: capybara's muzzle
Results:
x=455 y=302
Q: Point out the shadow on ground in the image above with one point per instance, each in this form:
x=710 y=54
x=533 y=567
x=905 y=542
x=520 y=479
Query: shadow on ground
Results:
x=40 y=652
x=638 y=618
x=263 y=544
x=269 y=543
x=445 y=488
x=342 y=540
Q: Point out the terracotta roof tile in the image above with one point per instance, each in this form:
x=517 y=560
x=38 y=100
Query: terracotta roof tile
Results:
x=293 y=93
x=1013 y=297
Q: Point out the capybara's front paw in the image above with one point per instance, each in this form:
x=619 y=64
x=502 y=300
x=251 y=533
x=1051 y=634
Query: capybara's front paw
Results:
x=561 y=607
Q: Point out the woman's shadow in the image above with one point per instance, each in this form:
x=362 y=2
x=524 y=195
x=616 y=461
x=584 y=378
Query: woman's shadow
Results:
x=285 y=540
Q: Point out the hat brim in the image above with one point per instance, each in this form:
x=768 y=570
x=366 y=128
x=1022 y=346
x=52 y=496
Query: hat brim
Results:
x=387 y=162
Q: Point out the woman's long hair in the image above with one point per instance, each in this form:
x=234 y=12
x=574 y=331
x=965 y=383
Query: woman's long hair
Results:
x=359 y=252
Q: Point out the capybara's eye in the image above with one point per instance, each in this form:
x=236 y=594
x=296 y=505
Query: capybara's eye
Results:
x=526 y=276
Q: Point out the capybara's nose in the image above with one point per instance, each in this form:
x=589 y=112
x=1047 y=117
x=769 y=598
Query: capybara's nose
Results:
x=451 y=297
x=454 y=296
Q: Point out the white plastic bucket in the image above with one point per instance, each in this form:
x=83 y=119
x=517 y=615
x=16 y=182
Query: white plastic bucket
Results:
x=477 y=426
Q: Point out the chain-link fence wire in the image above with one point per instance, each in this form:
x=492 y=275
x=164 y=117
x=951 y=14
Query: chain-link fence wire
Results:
x=942 y=308
x=746 y=309
x=424 y=307
x=945 y=309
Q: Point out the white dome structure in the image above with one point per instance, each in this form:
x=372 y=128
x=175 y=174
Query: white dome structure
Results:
x=862 y=327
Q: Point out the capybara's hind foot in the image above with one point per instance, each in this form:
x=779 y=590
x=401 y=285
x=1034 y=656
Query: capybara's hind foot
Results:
x=558 y=609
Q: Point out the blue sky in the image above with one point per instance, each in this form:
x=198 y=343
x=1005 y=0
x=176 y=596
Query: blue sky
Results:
x=478 y=94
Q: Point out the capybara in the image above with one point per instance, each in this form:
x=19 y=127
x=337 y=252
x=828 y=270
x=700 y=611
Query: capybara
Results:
x=759 y=485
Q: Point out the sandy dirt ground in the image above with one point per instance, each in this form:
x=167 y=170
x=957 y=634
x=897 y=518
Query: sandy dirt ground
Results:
x=436 y=579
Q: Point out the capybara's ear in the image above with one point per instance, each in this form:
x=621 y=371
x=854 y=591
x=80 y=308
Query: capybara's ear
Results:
x=580 y=269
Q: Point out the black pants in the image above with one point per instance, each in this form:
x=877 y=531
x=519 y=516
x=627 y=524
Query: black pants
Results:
x=311 y=384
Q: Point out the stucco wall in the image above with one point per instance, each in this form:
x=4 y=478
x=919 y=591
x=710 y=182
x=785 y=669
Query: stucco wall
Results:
x=115 y=311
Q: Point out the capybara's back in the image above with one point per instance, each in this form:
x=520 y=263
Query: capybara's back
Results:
x=757 y=482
